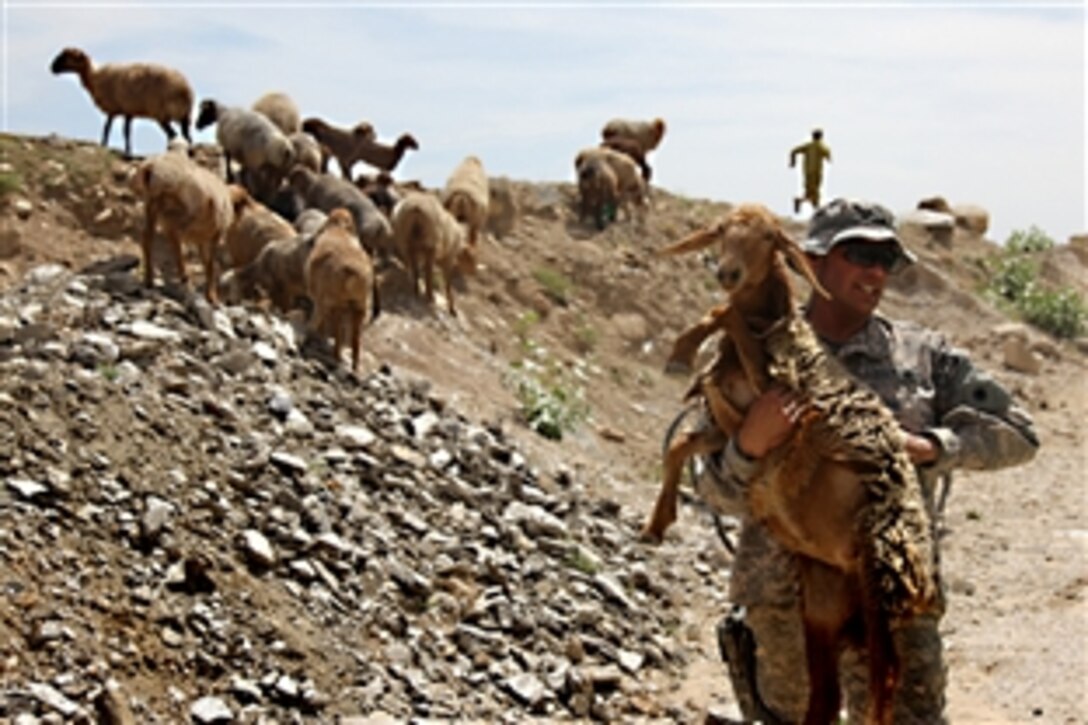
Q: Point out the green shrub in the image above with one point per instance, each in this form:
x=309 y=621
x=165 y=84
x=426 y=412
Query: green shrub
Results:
x=556 y=285
x=1014 y=283
x=9 y=183
x=550 y=404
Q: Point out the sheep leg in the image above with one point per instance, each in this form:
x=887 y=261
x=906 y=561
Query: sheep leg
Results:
x=725 y=415
x=337 y=321
x=106 y=131
x=428 y=277
x=211 y=289
x=683 y=448
x=356 y=323
x=682 y=357
x=168 y=129
x=447 y=278
x=128 y=137
x=827 y=604
x=184 y=123
x=151 y=213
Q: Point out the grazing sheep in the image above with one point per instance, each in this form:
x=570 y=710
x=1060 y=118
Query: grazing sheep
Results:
x=192 y=204
x=254 y=226
x=647 y=134
x=629 y=184
x=280 y=110
x=467 y=195
x=326 y=193
x=598 y=191
x=341 y=143
x=382 y=156
x=279 y=270
x=132 y=90
x=633 y=150
x=262 y=150
x=340 y=282
x=427 y=234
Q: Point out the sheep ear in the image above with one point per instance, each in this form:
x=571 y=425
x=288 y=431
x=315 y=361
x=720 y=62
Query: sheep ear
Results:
x=691 y=243
x=800 y=263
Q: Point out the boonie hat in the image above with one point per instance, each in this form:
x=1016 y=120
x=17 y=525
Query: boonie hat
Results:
x=843 y=219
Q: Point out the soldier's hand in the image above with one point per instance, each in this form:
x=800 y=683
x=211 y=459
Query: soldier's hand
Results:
x=769 y=422
x=920 y=449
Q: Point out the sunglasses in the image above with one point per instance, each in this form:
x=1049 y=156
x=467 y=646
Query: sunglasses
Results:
x=869 y=254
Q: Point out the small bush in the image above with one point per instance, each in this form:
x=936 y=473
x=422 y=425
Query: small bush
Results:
x=1014 y=283
x=9 y=183
x=556 y=285
x=550 y=403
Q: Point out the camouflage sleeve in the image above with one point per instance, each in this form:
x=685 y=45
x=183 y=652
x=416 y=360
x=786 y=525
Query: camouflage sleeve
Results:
x=978 y=425
x=721 y=480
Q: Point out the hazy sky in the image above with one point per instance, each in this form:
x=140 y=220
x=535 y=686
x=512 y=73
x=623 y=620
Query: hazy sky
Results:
x=982 y=103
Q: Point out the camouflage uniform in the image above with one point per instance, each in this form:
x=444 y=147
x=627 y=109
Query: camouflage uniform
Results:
x=933 y=390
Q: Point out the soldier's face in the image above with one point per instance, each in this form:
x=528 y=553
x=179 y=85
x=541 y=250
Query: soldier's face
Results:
x=855 y=288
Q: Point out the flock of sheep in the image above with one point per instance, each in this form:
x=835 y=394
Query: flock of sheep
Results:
x=287 y=228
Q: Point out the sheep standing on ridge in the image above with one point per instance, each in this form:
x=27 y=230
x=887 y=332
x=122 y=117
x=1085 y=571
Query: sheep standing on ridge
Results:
x=342 y=143
x=192 y=205
x=630 y=186
x=280 y=110
x=340 y=283
x=633 y=150
x=467 y=195
x=326 y=193
x=382 y=156
x=263 y=151
x=647 y=134
x=598 y=191
x=132 y=90
x=425 y=235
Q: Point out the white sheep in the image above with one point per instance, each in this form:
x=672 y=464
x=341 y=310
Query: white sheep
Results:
x=132 y=90
x=342 y=143
x=326 y=193
x=647 y=134
x=426 y=234
x=281 y=110
x=263 y=151
x=191 y=204
x=467 y=196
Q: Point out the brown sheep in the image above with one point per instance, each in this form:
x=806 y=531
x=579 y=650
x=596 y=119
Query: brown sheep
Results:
x=340 y=282
x=325 y=192
x=426 y=234
x=467 y=196
x=383 y=156
x=279 y=270
x=841 y=494
x=629 y=183
x=598 y=191
x=281 y=110
x=192 y=205
x=254 y=226
x=132 y=90
x=647 y=134
x=633 y=150
x=340 y=143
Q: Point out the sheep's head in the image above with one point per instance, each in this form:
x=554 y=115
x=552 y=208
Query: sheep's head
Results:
x=208 y=113
x=300 y=179
x=407 y=141
x=659 y=130
x=314 y=126
x=340 y=218
x=71 y=60
x=750 y=243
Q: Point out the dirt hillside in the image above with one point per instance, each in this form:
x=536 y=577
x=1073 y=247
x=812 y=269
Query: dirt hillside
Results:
x=589 y=316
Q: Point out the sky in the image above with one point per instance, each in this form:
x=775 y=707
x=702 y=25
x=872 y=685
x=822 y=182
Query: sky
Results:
x=979 y=102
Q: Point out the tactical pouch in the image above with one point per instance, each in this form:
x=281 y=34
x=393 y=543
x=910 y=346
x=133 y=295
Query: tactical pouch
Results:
x=737 y=645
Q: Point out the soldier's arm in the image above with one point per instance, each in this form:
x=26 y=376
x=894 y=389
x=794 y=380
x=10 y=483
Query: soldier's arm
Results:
x=979 y=426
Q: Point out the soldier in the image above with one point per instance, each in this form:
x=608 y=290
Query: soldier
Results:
x=953 y=416
x=814 y=153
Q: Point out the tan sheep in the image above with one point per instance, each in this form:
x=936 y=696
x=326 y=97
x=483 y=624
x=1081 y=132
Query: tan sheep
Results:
x=598 y=191
x=279 y=270
x=191 y=204
x=629 y=182
x=280 y=110
x=340 y=283
x=467 y=197
x=254 y=226
x=426 y=234
x=647 y=134
x=383 y=156
x=308 y=151
x=341 y=143
x=132 y=90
